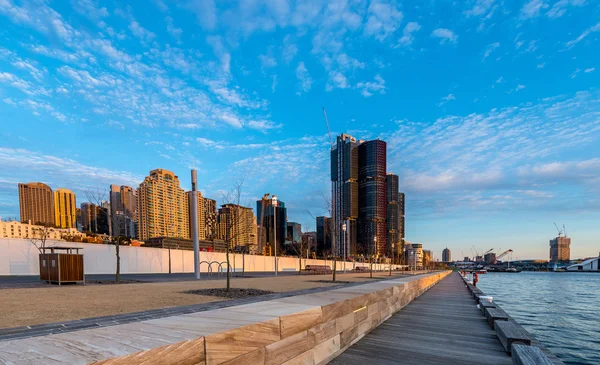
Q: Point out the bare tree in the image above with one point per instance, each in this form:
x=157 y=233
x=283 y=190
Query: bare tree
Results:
x=39 y=236
x=97 y=197
x=237 y=223
x=331 y=232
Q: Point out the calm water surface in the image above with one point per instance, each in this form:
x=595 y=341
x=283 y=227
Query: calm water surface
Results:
x=562 y=310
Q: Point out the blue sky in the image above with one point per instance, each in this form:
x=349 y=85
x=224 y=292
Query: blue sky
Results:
x=491 y=109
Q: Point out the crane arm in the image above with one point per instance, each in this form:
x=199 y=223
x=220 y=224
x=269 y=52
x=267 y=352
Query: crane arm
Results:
x=503 y=254
x=327 y=124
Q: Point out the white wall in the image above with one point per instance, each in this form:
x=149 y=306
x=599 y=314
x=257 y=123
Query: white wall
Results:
x=20 y=257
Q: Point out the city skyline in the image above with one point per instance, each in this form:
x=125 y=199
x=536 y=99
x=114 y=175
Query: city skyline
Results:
x=491 y=128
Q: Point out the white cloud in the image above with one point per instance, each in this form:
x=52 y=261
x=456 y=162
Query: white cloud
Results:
x=589 y=69
x=172 y=29
x=336 y=80
x=519 y=87
x=407 y=36
x=205 y=11
x=447 y=99
x=303 y=77
x=370 y=87
x=217 y=44
x=263 y=125
x=383 y=20
x=532 y=9
x=480 y=8
x=74 y=174
x=445 y=35
x=489 y=49
x=267 y=61
x=541 y=65
x=289 y=49
x=115 y=124
x=560 y=7
x=140 y=32
x=588 y=31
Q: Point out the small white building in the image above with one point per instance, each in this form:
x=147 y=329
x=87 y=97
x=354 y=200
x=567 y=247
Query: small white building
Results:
x=587 y=265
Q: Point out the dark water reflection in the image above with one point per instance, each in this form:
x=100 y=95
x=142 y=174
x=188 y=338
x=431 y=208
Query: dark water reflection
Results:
x=562 y=310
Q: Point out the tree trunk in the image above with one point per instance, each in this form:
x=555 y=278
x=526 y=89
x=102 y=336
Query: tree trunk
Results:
x=334 y=267
x=118 y=273
x=228 y=272
x=300 y=260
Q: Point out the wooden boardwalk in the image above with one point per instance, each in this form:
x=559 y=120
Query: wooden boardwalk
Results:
x=442 y=326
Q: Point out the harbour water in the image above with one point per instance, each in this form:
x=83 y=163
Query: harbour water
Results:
x=562 y=310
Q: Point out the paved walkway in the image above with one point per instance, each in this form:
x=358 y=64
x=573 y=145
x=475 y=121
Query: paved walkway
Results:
x=443 y=326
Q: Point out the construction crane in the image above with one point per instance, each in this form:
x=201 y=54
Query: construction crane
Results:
x=558 y=229
x=328 y=130
x=488 y=251
x=504 y=254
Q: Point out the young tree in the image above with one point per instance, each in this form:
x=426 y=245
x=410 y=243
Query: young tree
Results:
x=97 y=197
x=237 y=224
x=39 y=236
x=332 y=232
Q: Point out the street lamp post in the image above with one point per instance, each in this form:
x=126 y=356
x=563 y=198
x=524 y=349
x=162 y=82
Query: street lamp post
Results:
x=344 y=240
x=274 y=205
x=391 y=255
x=371 y=256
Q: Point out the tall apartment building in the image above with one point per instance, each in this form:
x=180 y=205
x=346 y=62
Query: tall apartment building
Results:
x=323 y=236
x=560 y=249
x=274 y=224
x=294 y=232
x=201 y=215
x=94 y=218
x=414 y=255
x=209 y=209
x=163 y=209
x=237 y=225
x=446 y=255
x=65 y=209
x=123 y=210
x=36 y=203
x=427 y=257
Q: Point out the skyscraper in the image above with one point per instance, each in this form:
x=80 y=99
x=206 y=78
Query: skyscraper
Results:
x=372 y=197
x=209 y=209
x=36 y=203
x=94 y=218
x=446 y=255
x=201 y=218
x=65 y=209
x=359 y=196
x=393 y=216
x=237 y=225
x=323 y=236
x=123 y=210
x=344 y=186
x=294 y=232
x=162 y=207
x=274 y=232
x=560 y=249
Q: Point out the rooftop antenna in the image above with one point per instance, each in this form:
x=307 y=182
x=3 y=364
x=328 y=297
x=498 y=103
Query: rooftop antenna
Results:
x=328 y=130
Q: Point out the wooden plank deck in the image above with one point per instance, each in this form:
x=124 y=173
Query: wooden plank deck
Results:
x=442 y=326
